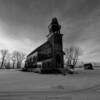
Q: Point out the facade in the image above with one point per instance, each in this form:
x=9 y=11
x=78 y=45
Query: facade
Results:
x=48 y=56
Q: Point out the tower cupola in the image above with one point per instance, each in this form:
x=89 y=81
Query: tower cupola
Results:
x=54 y=26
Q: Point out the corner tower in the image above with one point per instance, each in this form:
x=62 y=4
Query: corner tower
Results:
x=55 y=39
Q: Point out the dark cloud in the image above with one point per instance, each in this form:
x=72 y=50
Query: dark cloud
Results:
x=80 y=8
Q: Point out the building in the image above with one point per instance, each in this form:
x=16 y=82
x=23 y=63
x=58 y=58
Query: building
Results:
x=48 y=56
x=88 y=66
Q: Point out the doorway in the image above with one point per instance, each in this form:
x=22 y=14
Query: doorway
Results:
x=58 y=61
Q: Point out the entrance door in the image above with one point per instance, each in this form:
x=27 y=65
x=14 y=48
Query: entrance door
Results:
x=58 y=61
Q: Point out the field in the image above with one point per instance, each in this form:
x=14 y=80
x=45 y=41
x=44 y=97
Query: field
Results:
x=17 y=85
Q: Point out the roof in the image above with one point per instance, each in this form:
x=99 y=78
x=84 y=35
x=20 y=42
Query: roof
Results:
x=37 y=49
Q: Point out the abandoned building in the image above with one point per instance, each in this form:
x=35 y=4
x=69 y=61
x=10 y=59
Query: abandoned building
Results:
x=88 y=66
x=48 y=56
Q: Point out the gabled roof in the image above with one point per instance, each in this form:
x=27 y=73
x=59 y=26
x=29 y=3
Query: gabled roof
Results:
x=37 y=49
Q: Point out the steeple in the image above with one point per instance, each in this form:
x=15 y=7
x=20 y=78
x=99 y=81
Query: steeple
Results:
x=54 y=26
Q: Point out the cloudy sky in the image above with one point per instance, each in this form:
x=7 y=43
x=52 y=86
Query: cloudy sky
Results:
x=24 y=24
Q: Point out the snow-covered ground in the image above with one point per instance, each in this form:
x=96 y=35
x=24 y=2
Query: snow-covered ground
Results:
x=83 y=85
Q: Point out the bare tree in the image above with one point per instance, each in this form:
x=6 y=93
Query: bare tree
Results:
x=14 y=59
x=18 y=57
x=71 y=55
x=4 y=53
x=7 y=61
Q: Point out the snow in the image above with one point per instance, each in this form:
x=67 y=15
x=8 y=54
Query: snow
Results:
x=83 y=82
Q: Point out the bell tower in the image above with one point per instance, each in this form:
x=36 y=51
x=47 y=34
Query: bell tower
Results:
x=55 y=39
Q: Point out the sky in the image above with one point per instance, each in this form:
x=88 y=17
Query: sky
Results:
x=24 y=24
